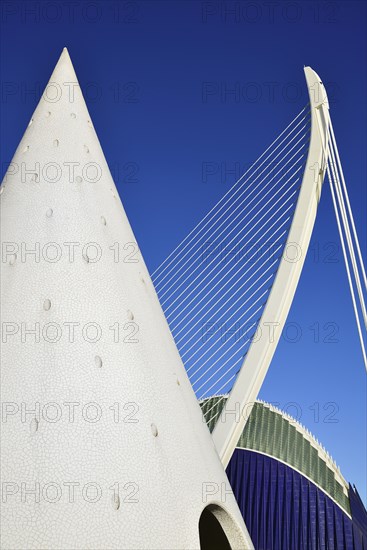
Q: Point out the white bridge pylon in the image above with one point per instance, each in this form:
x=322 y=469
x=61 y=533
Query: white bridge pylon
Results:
x=257 y=360
x=226 y=304
x=272 y=206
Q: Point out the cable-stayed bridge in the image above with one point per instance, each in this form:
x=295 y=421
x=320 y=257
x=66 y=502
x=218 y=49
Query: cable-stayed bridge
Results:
x=227 y=288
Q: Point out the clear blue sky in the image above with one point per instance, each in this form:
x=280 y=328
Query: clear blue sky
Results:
x=143 y=66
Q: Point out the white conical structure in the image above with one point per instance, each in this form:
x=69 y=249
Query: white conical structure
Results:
x=103 y=442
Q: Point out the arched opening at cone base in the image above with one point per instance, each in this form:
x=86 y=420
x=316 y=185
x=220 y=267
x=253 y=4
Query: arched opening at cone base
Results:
x=218 y=531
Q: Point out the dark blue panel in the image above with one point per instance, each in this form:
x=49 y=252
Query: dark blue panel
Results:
x=283 y=510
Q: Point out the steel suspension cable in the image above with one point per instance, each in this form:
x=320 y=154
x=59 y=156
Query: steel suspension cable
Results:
x=348 y=203
x=206 y=267
x=225 y=222
x=347 y=232
x=161 y=268
x=213 y=296
x=333 y=194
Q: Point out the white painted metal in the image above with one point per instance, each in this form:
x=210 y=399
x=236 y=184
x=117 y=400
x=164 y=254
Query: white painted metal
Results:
x=256 y=363
x=85 y=411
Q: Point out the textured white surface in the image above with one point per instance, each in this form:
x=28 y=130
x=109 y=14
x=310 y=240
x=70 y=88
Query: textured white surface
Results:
x=163 y=461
